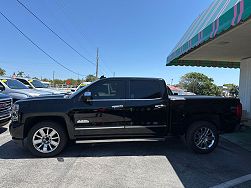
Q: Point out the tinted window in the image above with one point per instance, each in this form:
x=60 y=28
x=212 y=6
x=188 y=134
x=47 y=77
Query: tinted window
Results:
x=37 y=84
x=145 y=89
x=14 y=84
x=169 y=91
x=108 y=89
x=24 y=81
x=2 y=88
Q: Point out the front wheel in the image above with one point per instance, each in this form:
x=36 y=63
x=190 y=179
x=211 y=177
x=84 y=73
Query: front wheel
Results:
x=46 y=139
x=202 y=137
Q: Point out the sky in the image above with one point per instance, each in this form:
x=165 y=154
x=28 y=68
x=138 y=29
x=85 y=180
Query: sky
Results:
x=134 y=38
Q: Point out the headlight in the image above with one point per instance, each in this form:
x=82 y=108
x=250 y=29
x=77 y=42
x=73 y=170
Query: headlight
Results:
x=15 y=114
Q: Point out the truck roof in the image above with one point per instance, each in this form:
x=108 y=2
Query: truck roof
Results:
x=198 y=97
x=5 y=77
x=134 y=78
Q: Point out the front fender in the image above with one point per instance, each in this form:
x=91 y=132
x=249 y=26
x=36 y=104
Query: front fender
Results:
x=30 y=119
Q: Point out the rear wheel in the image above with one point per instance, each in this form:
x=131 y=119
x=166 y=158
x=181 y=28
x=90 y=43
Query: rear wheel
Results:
x=46 y=139
x=202 y=137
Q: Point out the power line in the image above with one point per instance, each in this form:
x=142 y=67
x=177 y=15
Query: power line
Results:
x=39 y=47
x=84 y=36
x=88 y=60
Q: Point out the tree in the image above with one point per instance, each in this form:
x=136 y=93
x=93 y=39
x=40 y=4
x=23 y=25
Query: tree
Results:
x=90 y=78
x=199 y=84
x=71 y=81
x=46 y=80
x=20 y=74
x=232 y=89
x=2 y=72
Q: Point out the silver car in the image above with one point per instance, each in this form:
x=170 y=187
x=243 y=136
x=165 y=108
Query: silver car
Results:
x=37 y=84
x=17 y=90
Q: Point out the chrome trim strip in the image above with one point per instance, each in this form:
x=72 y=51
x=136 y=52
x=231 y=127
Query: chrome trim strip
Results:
x=142 y=126
x=6 y=99
x=125 y=99
x=98 y=128
x=5 y=110
x=119 y=127
x=7 y=117
x=120 y=140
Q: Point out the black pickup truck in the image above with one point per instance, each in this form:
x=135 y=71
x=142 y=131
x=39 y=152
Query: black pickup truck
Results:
x=122 y=109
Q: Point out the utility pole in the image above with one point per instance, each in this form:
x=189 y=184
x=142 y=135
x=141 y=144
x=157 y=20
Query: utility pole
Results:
x=113 y=74
x=97 y=61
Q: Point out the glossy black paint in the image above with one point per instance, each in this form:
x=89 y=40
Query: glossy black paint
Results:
x=123 y=116
x=98 y=117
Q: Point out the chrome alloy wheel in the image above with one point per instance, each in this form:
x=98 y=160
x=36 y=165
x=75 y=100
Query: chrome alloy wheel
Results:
x=204 y=138
x=46 y=140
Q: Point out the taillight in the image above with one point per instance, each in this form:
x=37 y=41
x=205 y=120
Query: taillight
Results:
x=238 y=110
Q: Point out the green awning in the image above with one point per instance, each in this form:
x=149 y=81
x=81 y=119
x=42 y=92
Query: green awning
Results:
x=220 y=17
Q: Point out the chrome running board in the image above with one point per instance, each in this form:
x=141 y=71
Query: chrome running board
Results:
x=120 y=140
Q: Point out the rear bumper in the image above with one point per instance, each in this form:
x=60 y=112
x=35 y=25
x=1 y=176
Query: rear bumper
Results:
x=232 y=128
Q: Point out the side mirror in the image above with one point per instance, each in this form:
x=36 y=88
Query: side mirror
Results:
x=73 y=90
x=87 y=96
x=175 y=94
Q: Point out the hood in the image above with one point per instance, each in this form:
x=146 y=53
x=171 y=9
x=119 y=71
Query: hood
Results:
x=44 y=98
x=31 y=92
x=2 y=96
x=53 y=91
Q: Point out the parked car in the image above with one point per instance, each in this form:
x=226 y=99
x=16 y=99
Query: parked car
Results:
x=5 y=109
x=80 y=86
x=37 y=84
x=122 y=109
x=46 y=84
x=16 y=90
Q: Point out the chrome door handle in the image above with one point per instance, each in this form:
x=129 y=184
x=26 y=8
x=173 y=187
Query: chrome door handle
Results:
x=117 y=106
x=160 y=106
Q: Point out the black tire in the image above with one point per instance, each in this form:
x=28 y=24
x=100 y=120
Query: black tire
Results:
x=195 y=138
x=45 y=125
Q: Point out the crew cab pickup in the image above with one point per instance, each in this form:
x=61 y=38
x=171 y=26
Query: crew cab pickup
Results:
x=122 y=109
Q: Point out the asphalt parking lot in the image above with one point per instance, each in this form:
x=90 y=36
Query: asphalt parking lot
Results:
x=138 y=164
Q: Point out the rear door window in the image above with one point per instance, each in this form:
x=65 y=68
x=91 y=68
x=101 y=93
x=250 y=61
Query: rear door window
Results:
x=145 y=89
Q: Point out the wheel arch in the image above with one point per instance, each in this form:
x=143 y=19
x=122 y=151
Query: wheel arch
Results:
x=31 y=121
x=210 y=118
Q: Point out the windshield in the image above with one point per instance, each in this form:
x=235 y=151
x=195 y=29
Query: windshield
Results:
x=37 y=84
x=14 y=84
x=80 y=89
x=77 y=92
x=46 y=85
x=81 y=86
